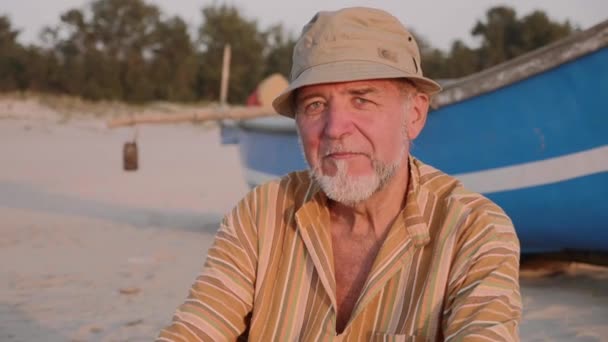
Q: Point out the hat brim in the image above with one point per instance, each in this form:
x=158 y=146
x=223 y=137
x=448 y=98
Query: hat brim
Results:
x=345 y=71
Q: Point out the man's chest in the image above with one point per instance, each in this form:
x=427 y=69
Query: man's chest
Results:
x=353 y=261
x=378 y=290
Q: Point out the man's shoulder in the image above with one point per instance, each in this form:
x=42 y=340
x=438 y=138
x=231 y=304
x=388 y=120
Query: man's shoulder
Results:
x=270 y=200
x=291 y=187
x=450 y=192
x=472 y=214
x=291 y=181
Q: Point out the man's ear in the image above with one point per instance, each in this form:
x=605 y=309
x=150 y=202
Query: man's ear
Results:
x=416 y=118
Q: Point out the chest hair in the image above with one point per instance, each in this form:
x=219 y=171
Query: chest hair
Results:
x=353 y=260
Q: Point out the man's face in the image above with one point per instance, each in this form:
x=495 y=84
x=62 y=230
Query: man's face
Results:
x=353 y=135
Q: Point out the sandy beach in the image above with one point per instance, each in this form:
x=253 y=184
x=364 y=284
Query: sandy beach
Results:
x=93 y=253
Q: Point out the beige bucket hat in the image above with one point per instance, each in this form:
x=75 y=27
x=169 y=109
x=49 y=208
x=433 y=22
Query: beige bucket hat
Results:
x=353 y=44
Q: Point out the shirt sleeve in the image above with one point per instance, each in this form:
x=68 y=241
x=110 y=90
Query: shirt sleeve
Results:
x=483 y=299
x=221 y=298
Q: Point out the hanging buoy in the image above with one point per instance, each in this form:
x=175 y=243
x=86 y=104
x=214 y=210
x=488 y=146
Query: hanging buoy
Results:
x=129 y=153
x=129 y=156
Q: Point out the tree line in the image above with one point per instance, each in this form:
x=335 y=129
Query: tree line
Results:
x=128 y=50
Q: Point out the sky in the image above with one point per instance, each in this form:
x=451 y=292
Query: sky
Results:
x=439 y=22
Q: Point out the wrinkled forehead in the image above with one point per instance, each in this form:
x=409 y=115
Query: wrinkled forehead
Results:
x=373 y=86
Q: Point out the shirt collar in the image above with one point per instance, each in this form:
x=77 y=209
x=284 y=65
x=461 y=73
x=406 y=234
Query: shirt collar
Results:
x=411 y=217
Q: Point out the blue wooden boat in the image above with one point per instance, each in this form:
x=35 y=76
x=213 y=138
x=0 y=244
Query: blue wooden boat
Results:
x=531 y=134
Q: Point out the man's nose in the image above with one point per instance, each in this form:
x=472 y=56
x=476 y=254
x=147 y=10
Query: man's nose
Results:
x=338 y=121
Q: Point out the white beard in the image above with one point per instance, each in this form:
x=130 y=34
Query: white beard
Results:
x=350 y=190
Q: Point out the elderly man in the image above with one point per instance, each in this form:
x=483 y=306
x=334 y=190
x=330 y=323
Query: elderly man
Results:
x=370 y=243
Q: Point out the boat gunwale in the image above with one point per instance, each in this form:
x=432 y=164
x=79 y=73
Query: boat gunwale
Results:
x=532 y=63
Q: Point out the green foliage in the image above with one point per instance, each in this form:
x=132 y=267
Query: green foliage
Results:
x=280 y=50
x=503 y=36
x=174 y=63
x=500 y=36
x=129 y=50
x=224 y=25
x=12 y=61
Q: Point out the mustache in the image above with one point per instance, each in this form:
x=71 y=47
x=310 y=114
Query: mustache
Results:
x=340 y=148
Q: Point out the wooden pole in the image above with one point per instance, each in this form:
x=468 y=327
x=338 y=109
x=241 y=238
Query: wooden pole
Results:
x=225 y=75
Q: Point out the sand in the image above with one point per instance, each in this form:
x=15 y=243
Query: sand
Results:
x=93 y=253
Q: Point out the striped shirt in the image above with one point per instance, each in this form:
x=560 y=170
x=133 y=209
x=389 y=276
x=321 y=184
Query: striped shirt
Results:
x=448 y=270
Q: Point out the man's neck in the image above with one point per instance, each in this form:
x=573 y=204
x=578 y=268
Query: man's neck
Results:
x=376 y=214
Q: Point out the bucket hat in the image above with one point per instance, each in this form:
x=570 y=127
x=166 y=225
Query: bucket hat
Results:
x=353 y=44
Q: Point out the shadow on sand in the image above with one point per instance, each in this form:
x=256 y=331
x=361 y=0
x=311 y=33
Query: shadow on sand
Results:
x=24 y=196
x=16 y=326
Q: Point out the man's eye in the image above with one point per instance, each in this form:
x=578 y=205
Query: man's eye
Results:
x=361 y=101
x=313 y=107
